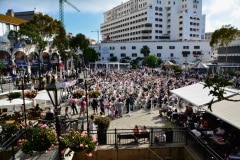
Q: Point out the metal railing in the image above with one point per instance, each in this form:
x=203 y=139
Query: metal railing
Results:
x=112 y=138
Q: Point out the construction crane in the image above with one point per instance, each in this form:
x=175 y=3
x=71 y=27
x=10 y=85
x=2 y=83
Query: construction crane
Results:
x=61 y=9
x=97 y=35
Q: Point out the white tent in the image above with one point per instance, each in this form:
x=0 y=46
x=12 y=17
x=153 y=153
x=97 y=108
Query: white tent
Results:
x=227 y=111
x=42 y=95
x=197 y=95
x=199 y=65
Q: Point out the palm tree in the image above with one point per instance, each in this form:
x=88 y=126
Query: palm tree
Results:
x=145 y=50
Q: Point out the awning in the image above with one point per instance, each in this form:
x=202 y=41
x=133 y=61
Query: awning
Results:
x=197 y=95
x=227 y=111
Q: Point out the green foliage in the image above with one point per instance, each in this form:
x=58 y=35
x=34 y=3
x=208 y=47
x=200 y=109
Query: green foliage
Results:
x=145 y=50
x=13 y=95
x=90 y=55
x=94 y=94
x=79 y=141
x=102 y=123
x=217 y=86
x=78 y=94
x=10 y=129
x=40 y=138
x=224 y=36
x=113 y=59
x=151 y=61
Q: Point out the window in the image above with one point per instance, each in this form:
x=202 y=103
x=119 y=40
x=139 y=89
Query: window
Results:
x=159 y=47
x=122 y=47
x=134 y=54
x=185 y=47
x=159 y=54
x=171 y=47
x=171 y=55
x=196 y=47
x=133 y=47
x=111 y=54
x=112 y=48
x=123 y=54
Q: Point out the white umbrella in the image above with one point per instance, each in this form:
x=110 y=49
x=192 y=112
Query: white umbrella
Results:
x=42 y=95
x=13 y=102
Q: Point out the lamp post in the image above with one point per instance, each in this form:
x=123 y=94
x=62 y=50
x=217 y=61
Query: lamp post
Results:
x=86 y=74
x=54 y=90
x=39 y=70
x=22 y=74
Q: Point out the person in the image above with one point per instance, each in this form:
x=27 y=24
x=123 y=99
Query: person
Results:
x=119 y=107
x=66 y=113
x=145 y=130
x=83 y=105
x=219 y=131
x=95 y=105
x=164 y=109
x=49 y=114
x=74 y=106
x=102 y=106
x=136 y=130
x=91 y=125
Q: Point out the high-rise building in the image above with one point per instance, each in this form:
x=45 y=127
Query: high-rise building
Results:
x=154 y=20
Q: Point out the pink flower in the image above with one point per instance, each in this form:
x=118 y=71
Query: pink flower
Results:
x=89 y=154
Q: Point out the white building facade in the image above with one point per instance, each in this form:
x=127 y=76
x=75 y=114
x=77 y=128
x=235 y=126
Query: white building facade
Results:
x=172 y=29
x=154 y=20
x=178 y=51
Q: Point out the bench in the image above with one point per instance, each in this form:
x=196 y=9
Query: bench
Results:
x=136 y=137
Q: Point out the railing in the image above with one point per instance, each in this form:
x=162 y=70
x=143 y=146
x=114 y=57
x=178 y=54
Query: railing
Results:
x=154 y=138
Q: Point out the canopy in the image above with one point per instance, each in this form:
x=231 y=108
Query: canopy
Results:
x=42 y=95
x=169 y=63
x=199 y=65
x=227 y=111
x=197 y=94
x=15 y=103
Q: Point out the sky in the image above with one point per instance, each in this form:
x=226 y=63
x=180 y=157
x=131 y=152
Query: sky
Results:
x=90 y=17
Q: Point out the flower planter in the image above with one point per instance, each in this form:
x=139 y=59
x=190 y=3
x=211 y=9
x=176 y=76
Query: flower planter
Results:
x=76 y=149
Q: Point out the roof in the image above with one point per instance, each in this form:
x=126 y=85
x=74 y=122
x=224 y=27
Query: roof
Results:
x=11 y=20
x=197 y=95
x=227 y=111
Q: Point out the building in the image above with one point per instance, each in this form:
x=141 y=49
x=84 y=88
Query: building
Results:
x=173 y=30
x=179 y=51
x=154 y=20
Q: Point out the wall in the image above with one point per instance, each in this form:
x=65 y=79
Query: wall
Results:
x=176 y=153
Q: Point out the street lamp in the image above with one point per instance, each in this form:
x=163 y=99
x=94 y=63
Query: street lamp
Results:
x=86 y=74
x=22 y=75
x=39 y=70
x=54 y=90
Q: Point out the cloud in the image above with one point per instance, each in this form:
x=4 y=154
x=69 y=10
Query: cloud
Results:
x=219 y=13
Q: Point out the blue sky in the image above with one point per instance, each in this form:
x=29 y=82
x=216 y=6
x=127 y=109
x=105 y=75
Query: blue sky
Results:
x=218 y=13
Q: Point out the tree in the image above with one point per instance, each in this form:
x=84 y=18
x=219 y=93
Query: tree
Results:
x=2 y=67
x=151 y=61
x=113 y=59
x=217 y=85
x=90 y=55
x=145 y=50
x=223 y=37
x=79 y=41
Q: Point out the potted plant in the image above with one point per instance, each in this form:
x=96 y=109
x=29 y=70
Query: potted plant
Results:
x=102 y=126
x=40 y=138
x=169 y=132
x=30 y=94
x=9 y=130
x=79 y=142
x=94 y=94
x=13 y=95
